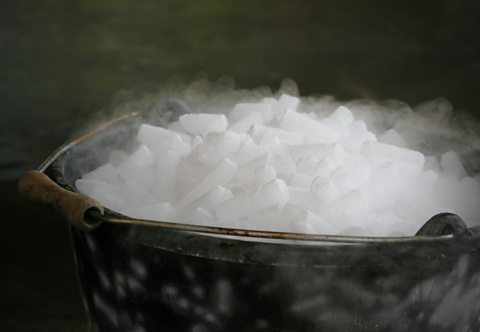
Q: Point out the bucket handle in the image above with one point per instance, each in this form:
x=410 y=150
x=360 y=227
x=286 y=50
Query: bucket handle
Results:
x=38 y=187
x=444 y=224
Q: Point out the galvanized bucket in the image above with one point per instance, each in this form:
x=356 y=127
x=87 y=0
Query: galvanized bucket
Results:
x=140 y=275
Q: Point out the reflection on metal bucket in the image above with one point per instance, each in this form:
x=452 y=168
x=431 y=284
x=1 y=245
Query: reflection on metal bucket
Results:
x=139 y=279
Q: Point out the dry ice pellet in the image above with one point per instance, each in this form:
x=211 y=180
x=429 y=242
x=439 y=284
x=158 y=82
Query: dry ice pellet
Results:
x=267 y=165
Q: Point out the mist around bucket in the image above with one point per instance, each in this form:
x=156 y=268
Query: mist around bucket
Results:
x=271 y=161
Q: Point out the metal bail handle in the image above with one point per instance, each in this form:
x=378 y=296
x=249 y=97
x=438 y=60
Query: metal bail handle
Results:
x=444 y=224
x=73 y=207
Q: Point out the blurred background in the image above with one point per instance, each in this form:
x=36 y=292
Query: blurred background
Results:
x=63 y=62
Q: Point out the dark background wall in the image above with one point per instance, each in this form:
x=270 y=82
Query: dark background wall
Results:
x=63 y=61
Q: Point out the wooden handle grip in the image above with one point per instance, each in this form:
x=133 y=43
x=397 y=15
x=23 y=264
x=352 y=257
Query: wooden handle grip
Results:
x=39 y=188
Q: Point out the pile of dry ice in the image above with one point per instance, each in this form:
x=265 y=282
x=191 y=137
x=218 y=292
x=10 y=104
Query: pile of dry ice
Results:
x=268 y=166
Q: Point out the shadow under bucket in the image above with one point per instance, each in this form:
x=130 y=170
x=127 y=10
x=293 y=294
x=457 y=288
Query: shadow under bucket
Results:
x=148 y=276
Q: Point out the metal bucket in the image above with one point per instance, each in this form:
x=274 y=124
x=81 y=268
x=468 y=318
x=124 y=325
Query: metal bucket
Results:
x=157 y=276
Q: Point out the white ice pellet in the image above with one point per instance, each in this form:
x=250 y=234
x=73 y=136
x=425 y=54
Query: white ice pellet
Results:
x=279 y=164
x=313 y=131
x=177 y=127
x=209 y=155
x=303 y=198
x=392 y=137
x=270 y=104
x=145 y=178
x=410 y=161
x=264 y=174
x=106 y=173
x=300 y=180
x=357 y=128
x=160 y=212
x=304 y=228
x=151 y=135
x=136 y=162
x=384 y=176
x=221 y=174
x=241 y=110
x=136 y=195
x=218 y=195
x=271 y=219
x=246 y=171
x=350 y=203
x=325 y=167
x=189 y=171
x=272 y=194
x=284 y=136
x=227 y=142
x=269 y=141
x=343 y=116
x=196 y=141
x=432 y=163
x=309 y=222
x=199 y=216
x=212 y=199
x=165 y=177
x=357 y=136
x=181 y=149
x=423 y=184
x=106 y=194
x=340 y=119
x=172 y=142
x=452 y=165
x=248 y=151
x=358 y=168
x=282 y=164
x=235 y=208
x=342 y=180
x=318 y=151
x=286 y=102
x=323 y=188
x=202 y=124
x=245 y=123
x=251 y=113
x=307 y=165
x=339 y=154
